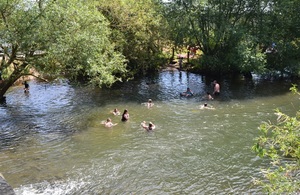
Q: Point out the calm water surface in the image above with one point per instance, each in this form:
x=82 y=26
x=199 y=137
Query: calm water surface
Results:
x=52 y=140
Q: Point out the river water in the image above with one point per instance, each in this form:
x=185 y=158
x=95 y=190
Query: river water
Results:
x=52 y=140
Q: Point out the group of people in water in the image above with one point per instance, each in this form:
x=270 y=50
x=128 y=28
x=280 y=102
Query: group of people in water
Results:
x=116 y=112
x=149 y=104
x=125 y=117
x=216 y=92
x=208 y=96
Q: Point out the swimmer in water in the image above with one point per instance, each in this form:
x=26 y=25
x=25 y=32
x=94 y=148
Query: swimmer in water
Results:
x=206 y=106
x=149 y=127
x=108 y=123
x=150 y=103
x=116 y=112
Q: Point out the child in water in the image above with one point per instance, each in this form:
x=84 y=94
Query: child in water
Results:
x=108 y=123
x=116 y=112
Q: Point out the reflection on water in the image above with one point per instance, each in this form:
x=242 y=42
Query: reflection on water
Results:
x=52 y=140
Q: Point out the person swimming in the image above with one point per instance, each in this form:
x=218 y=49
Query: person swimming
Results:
x=206 y=106
x=149 y=103
x=149 y=127
x=108 y=123
x=116 y=112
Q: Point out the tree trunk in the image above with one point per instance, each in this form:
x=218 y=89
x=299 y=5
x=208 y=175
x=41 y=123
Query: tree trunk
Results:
x=7 y=83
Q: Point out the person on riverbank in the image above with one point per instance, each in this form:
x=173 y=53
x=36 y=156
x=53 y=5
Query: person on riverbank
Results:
x=216 y=88
x=116 y=112
x=108 y=123
x=26 y=87
x=180 y=62
x=187 y=93
x=149 y=127
x=125 y=115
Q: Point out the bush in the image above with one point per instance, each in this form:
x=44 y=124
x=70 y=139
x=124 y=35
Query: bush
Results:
x=280 y=143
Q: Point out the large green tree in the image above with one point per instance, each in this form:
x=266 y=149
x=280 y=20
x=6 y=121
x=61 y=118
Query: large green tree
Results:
x=138 y=30
x=280 y=24
x=58 y=38
x=233 y=34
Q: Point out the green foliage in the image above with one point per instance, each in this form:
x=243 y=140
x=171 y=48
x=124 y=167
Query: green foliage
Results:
x=229 y=33
x=219 y=29
x=60 y=38
x=246 y=57
x=280 y=143
x=278 y=23
x=137 y=30
x=83 y=46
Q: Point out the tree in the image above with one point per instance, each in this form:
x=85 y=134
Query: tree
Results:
x=219 y=28
x=58 y=38
x=281 y=26
x=138 y=30
x=178 y=27
x=280 y=143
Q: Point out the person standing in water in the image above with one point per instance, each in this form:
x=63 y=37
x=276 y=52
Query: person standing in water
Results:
x=26 y=87
x=125 y=115
x=180 y=62
x=216 y=88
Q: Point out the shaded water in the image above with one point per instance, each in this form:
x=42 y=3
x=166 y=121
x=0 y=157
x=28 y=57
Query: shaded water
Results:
x=52 y=140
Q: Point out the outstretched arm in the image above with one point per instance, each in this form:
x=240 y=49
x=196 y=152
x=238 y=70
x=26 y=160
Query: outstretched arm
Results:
x=143 y=124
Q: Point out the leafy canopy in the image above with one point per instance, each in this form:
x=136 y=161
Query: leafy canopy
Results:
x=72 y=37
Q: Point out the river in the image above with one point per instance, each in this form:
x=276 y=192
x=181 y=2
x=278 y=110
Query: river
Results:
x=52 y=140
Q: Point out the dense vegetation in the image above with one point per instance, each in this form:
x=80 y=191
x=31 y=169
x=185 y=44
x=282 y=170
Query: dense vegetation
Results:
x=280 y=143
x=103 y=42
x=107 y=41
x=234 y=35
